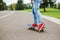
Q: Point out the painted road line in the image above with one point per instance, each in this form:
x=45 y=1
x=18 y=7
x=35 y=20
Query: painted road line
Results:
x=6 y=15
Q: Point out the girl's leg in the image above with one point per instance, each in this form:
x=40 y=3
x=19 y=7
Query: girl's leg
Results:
x=34 y=15
x=39 y=17
x=37 y=13
x=35 y=19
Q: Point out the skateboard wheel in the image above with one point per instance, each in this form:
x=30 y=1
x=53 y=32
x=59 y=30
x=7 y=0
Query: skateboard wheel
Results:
x=31 y=28
x=42 y=30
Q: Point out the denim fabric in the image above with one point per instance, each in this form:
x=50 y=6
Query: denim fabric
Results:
x=36 y=12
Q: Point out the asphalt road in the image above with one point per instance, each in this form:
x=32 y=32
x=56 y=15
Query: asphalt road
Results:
x=13 y=27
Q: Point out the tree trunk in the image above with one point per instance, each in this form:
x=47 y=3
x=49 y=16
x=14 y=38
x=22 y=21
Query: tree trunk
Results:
x=44 y=8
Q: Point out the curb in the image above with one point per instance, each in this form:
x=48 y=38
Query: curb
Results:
x=55 y=20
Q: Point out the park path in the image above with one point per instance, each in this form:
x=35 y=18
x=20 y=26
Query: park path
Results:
x=13 y=27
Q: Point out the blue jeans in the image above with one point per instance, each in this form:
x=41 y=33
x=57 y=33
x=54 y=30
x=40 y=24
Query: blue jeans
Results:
x=36 y=13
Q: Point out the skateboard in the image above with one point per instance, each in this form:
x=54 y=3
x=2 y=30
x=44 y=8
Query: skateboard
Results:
x=35 y=28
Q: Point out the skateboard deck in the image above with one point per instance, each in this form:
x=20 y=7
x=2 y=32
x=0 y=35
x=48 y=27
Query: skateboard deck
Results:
x=35 y=28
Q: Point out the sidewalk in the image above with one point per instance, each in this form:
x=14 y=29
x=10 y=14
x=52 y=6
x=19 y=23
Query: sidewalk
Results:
x=55 y=20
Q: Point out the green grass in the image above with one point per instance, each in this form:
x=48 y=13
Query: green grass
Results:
x=49 y=12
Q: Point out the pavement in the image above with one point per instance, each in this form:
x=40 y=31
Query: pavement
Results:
x=5 y=14
x=13 y=27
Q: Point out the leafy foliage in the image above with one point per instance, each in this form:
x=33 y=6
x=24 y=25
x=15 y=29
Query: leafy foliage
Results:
x=2 y=5
x=19 y=5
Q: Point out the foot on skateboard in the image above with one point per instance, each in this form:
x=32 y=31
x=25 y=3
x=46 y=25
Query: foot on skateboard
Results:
x=40 y=27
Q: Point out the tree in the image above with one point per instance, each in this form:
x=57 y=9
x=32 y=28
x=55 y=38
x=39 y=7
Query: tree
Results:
x=19 y=5
x=45 y=3
x=51 y=2
x=48 y=3
x=12 y=6
x=2 y=5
